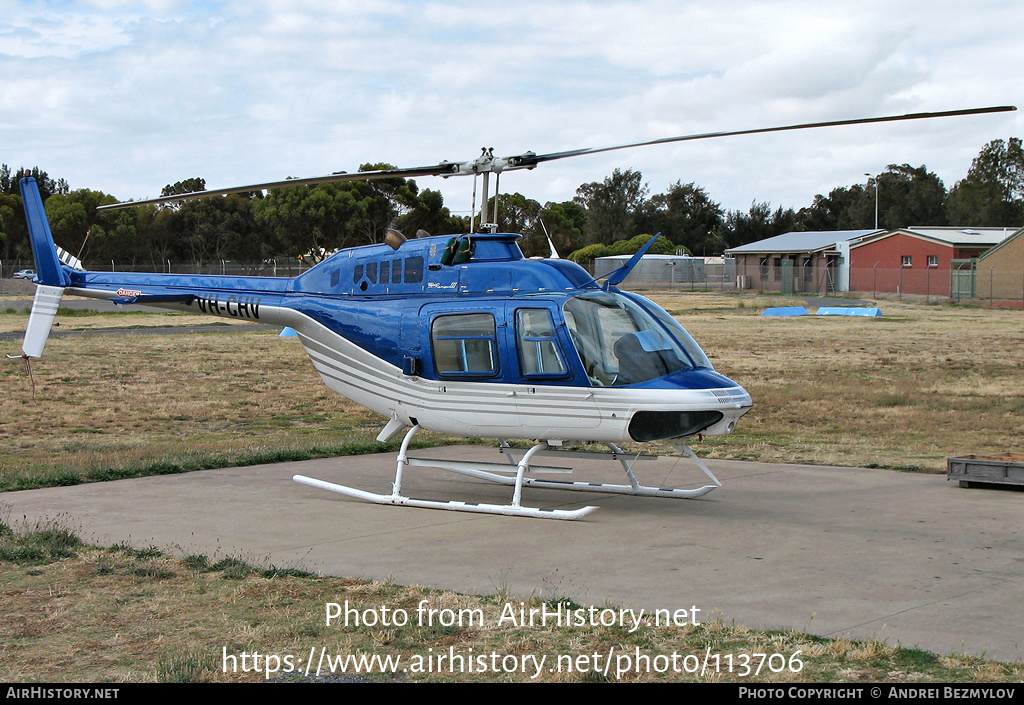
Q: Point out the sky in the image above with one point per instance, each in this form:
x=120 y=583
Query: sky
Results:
x=125 y=96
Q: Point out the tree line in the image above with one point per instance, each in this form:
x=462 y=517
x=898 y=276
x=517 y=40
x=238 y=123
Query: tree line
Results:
x=605 y=217
x=990 y=195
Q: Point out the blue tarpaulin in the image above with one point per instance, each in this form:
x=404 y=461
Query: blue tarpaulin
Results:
x=839 y=311
x=785 y=311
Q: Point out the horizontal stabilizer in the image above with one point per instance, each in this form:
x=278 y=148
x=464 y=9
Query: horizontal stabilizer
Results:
x=69 y=259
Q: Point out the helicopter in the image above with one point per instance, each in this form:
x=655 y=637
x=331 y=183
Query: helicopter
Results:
x=461 y=335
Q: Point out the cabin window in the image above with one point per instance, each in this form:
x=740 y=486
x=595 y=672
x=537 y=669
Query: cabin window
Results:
x=464 y=344
x=396 y=271
x=413 y=270
x=538 y=349
x=357 y=273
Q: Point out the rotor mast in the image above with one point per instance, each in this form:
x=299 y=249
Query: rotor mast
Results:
x=485 y=164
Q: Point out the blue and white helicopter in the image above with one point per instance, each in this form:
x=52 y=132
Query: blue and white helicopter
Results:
x=460 y=335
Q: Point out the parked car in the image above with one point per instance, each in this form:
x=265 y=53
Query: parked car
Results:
x=25 y=274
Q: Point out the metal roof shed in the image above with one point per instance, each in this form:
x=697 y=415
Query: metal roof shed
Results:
x=815 y=260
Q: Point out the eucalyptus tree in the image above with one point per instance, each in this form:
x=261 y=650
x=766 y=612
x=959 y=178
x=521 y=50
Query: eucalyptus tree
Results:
x=613 y=206
x=992 y=193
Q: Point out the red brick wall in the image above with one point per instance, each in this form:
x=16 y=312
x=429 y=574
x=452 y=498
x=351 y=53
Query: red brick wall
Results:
x=878 y=265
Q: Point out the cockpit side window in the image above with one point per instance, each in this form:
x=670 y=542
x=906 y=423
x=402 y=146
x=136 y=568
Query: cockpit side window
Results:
x=539 y=355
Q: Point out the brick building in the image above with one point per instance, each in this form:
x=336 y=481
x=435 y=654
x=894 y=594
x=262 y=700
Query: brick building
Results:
x=918 y=260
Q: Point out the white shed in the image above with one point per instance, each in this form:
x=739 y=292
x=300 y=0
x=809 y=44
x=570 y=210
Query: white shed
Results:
x=662 y=269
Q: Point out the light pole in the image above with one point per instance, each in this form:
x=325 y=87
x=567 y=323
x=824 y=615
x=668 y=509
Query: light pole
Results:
x=876 y=198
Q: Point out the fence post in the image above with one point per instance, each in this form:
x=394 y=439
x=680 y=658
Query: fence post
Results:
x=874 y=281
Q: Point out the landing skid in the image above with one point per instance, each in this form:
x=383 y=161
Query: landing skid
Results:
x=501 y=474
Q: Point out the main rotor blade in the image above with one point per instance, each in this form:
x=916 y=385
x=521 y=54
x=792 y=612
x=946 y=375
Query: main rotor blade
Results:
x=530 y=160
x=442 y=169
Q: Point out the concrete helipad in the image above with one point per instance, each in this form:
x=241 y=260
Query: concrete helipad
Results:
x=905 y=558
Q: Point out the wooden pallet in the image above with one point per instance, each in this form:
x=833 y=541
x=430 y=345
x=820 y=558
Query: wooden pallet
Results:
x=979 y=470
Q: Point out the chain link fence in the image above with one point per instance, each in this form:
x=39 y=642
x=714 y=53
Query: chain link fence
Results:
x=965 y=283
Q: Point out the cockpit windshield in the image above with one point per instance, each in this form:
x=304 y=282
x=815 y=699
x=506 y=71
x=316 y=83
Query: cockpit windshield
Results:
x=621 y=341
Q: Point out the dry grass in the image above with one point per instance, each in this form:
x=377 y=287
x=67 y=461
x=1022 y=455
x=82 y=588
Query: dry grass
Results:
x=129 y=615
x=114 y=402
x=905 y=391
x=89 y=320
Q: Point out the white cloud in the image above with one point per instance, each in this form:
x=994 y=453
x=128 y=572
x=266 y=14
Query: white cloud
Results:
x=128 y=96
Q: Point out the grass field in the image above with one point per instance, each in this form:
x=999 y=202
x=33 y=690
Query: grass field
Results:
x=82 y=614
x=111 y=406
x=904 y=391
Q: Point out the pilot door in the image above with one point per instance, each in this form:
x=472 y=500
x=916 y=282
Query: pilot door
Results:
x=546 y=391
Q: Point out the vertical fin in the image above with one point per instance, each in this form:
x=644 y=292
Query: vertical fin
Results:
x=44 y=309
x=49 y=271
x=48 y=265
